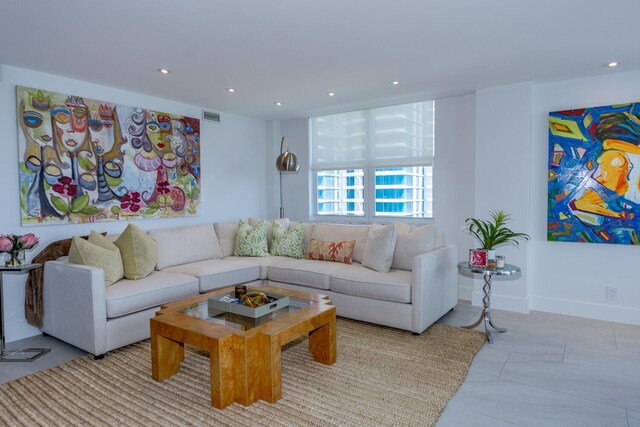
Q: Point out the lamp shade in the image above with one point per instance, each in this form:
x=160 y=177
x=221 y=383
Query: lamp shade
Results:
x=286 y=161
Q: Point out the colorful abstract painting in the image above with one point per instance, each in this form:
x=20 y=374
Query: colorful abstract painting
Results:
x=83 y=160
x=594 y=175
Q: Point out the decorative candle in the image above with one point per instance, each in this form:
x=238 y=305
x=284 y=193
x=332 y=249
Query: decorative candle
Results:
x=500 y=261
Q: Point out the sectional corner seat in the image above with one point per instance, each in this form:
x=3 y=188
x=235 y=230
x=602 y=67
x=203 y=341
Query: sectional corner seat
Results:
x=80 y=310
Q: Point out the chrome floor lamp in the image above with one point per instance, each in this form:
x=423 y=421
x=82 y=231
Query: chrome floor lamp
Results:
x=286 y=162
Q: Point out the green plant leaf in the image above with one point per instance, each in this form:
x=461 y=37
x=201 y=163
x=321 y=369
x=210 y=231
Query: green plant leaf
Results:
x=150 y=211
x=58 y=203
x=154 y=205
x=86 y=164
x=80 y=203
x=90 y=210
x=112 y=182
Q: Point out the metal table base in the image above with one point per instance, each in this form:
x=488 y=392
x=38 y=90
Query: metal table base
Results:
x=485 y=315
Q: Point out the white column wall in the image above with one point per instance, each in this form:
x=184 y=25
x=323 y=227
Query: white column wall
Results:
x=232 y=160
x=503 y=135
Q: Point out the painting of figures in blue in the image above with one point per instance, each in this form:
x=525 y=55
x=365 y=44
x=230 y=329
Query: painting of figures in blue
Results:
x=594 y=175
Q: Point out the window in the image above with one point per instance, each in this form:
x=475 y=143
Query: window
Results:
x=374 y=163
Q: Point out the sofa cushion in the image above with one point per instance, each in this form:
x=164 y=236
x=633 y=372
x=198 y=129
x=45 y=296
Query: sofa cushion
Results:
x=160 y=287
x=263 y=262
x=360 y=281
x=251 y=240
x=306 y=272
x=338 y=232
x=380 y=246
x=284 y=222
x=226 y=232
x=186 y=244
x=218 y=273
x=412 y=241
x=139 y=252
x=85 y=252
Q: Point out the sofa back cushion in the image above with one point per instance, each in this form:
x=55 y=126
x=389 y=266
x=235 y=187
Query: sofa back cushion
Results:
x=177 y=246
x=380 y=246
x=226 y=232
x=412 y=241
x=340 y=232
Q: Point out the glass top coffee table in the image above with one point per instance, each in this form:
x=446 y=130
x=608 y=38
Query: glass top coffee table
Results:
x=245 y=353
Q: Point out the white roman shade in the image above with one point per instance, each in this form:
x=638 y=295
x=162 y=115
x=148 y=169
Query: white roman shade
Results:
x=394 y=136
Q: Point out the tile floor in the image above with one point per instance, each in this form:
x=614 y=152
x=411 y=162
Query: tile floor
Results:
x=547 y=370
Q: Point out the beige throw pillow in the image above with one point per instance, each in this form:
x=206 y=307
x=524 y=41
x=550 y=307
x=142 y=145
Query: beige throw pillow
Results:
x=412 y=241
x=88 y=252
x=380 y=246
x=139 y=252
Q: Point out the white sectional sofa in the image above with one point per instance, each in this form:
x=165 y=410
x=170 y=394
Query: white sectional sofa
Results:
x=80 y=310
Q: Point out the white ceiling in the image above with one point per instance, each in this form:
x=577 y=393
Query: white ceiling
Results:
x=295 y=51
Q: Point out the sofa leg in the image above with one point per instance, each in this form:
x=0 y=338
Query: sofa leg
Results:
x=415 y=334
x=44 y=334
x=99 y=357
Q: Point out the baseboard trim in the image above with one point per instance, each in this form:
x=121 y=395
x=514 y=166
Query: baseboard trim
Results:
x=589 y=310
x=20 y=330
x=503 y=302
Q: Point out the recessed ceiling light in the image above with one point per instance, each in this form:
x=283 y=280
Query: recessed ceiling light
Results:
x=330 y=93
x=395 y=83
x=278 y=103
x=164 y=70
x=613 y=64
x=230 y=90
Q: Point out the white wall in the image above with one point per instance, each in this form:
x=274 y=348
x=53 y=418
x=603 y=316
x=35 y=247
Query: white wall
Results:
x=232 y=159
x=570 y=278
x=454 y=175
x=503 y=134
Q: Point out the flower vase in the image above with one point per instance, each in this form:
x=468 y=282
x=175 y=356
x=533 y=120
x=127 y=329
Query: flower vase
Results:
x=14 y=258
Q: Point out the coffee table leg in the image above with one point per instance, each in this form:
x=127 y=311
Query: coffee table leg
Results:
x=226 y=371
x=322 y=342
x=265 y=360
x=166 y=356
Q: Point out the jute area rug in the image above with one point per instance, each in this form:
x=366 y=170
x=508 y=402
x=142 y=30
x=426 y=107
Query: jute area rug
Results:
x=382 y=376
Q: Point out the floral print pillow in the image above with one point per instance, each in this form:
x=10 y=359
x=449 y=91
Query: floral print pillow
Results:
x=289 y=243
x=331 y=251
x=251 y=241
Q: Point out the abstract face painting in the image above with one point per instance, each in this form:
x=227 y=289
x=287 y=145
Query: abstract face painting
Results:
x=83 y=160
x=594 y=175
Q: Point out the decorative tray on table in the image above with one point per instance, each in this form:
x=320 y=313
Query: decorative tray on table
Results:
x=230 y=304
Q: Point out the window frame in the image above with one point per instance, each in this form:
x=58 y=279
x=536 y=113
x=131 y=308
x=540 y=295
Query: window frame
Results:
x=369 y=204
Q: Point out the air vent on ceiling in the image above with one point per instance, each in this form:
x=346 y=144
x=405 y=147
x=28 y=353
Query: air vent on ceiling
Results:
x=211 y=116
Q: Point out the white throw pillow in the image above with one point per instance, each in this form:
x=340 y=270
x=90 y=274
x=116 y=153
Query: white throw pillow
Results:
x=284 y=222
x=380 y=246
x=412 y=241
x=183 y=245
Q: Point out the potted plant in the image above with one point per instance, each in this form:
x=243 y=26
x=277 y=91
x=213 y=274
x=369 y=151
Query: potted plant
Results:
x=493 y=233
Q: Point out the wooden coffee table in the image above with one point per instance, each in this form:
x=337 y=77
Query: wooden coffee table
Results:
x=245 y=353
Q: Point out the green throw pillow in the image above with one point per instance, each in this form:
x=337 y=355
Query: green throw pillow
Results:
x=288 y=243
x=251 y=241
x=139 y=252
x=86 y=252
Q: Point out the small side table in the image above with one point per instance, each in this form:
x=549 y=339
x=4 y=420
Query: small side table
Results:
x=26 y=354
x=488 y=273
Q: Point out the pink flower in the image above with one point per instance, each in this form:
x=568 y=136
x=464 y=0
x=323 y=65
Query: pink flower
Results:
x=6 y=244
x=28 y=240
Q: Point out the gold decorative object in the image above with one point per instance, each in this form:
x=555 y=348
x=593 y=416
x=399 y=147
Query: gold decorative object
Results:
x=254 y=299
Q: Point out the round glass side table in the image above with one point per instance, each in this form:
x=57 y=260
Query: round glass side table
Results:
x=488 y=273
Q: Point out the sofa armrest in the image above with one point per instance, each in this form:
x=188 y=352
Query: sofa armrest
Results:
x=434 y=289
x=75 y=307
